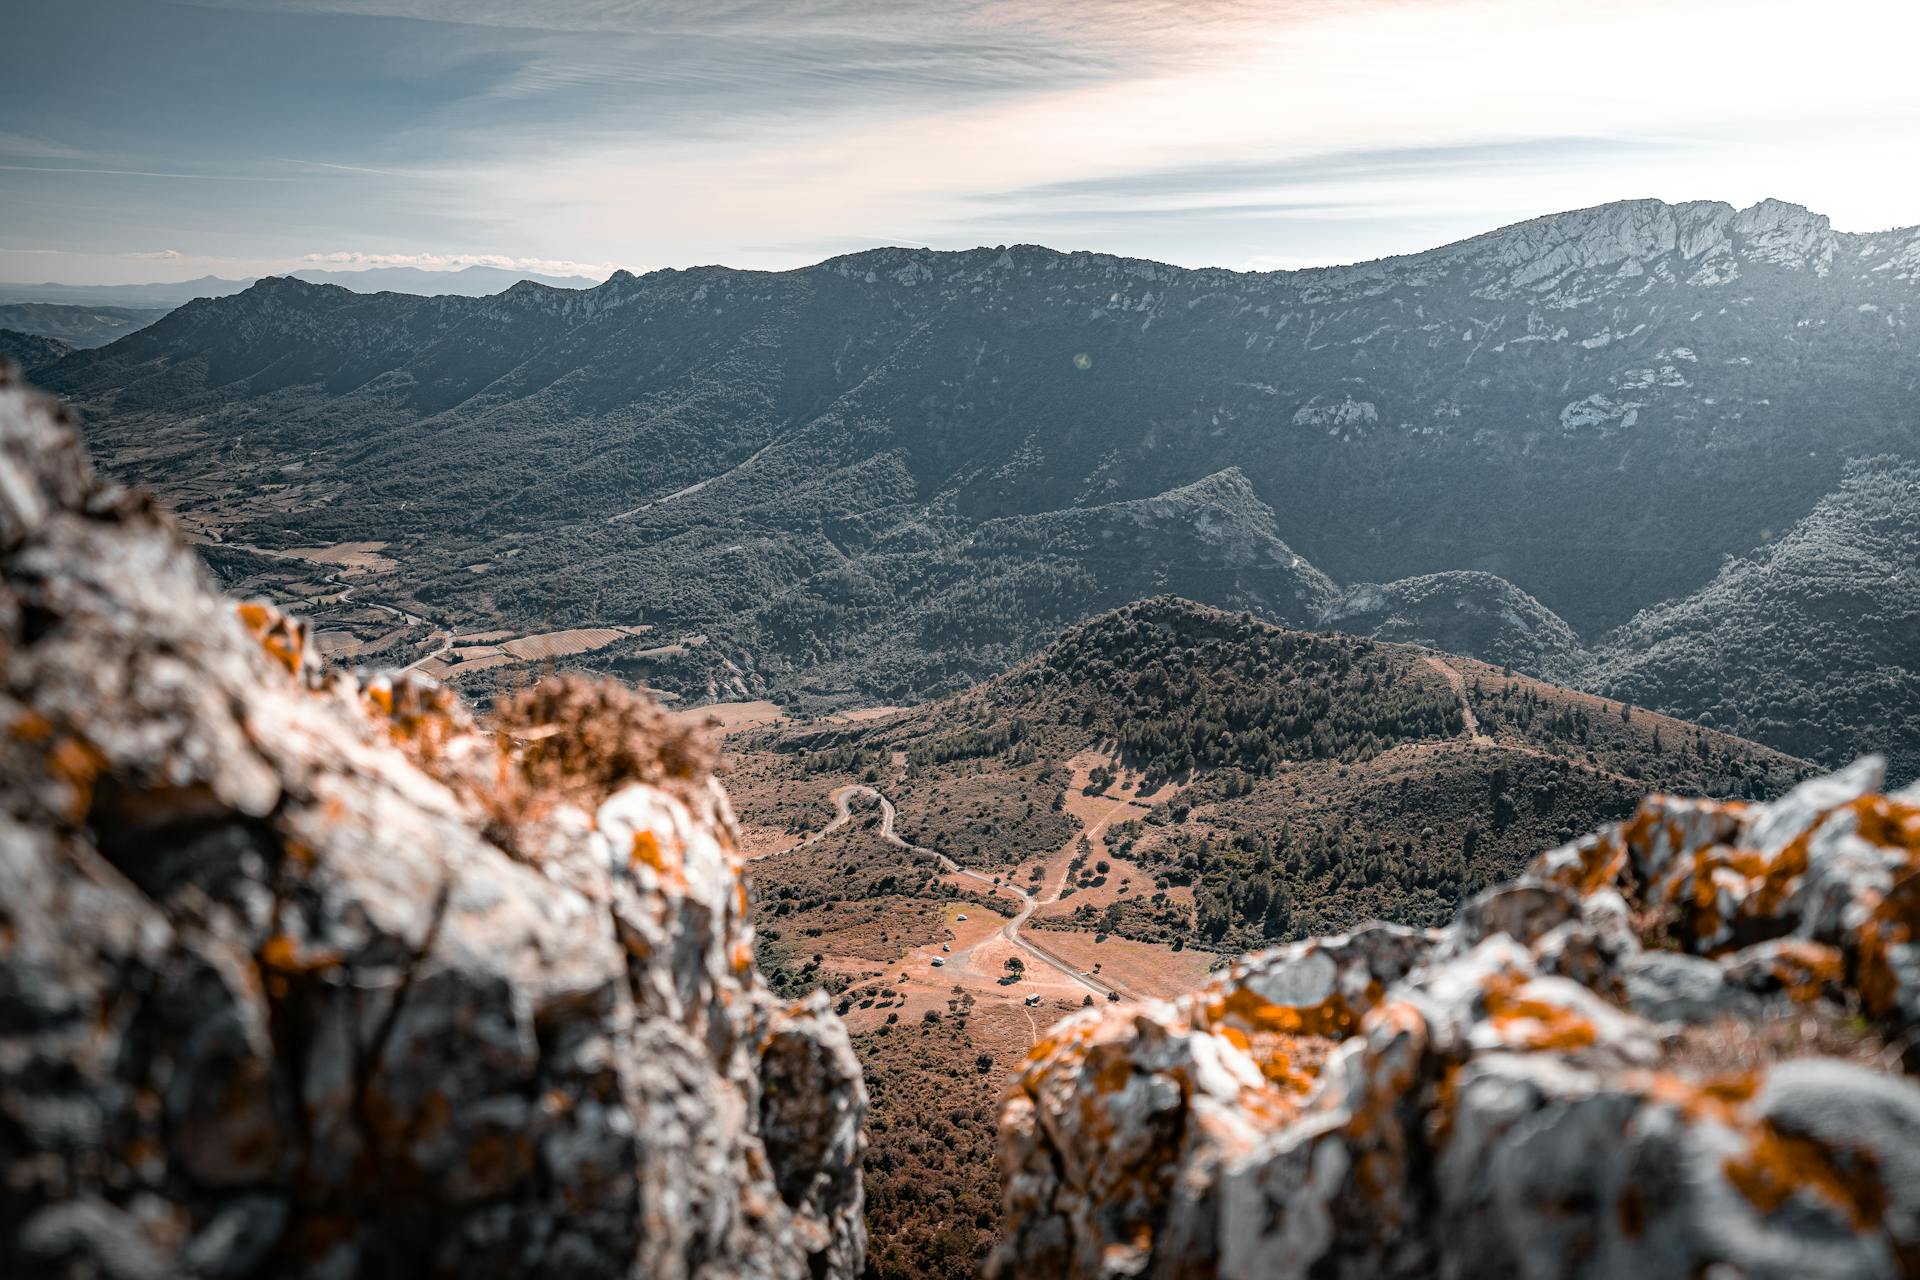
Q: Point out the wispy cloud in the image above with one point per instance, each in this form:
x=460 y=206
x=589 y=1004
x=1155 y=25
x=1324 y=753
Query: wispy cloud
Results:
x=355 y=259
x=1243 y=178
x=139 y=173
x=27 y=147
x=331 y=167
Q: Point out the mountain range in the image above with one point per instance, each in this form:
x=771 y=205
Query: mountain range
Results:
x=1608 y=446
x=474 y=281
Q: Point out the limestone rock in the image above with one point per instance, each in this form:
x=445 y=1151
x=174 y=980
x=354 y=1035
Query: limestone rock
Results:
x=307 y=976
x=1673 y=1048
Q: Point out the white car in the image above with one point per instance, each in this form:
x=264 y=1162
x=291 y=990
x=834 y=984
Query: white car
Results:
x=946 y=946
x=938 y=963
x=961 y=916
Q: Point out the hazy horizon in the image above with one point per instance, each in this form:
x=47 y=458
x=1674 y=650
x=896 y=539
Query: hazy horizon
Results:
x=600 y=277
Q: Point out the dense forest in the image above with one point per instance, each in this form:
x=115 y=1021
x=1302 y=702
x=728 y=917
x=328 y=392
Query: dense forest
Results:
x=1180 y=689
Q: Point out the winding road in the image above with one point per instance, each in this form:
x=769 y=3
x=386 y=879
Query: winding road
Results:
x=842 y=804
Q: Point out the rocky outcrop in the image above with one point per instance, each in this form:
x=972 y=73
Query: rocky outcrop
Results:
x=1710 y=240
x=1671 y=1049
x=1479 y=615
x=310 y=976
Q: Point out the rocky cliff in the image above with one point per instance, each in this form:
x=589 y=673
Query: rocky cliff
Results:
x=311 y=976
x=1674 y=1048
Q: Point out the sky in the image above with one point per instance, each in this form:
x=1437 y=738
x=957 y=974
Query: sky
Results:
x=145 y=140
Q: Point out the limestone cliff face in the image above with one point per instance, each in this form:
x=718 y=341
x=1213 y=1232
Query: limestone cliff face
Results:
x=1671 y=1049
x=312 y=977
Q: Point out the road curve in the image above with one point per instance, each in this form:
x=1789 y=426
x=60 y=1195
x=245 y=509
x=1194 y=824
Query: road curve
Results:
x=842 y=799
x=446 y=647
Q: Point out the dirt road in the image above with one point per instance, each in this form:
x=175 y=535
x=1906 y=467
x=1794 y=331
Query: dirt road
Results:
x=842 y=800
x=1458 y=684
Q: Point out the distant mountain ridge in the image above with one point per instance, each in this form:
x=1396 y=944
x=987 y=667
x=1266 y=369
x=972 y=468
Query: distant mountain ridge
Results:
x=78 y=326
x=881 y=476
x=1463 y=612
x=474 y=281
x=32 y=351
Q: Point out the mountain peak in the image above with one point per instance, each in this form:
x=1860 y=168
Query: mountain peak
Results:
x=289 y=286
x=1706 y=239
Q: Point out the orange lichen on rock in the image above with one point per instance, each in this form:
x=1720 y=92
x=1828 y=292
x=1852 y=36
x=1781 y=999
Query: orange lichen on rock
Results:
x=1528 y=1022
x=1245 y=1009
x=420 y=715
x=286 y=638
x=1287 y=1042
x=1776 y=1167
x=1720 y=874
x=1523 y=1085
x=77 y=763
x=30 y=727
x=1587 y=867
x=1806 y=971
x=646 y=852
x=1718 y=1098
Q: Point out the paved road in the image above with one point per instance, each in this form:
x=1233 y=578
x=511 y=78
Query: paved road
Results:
x=446 y=646
x=842 y=799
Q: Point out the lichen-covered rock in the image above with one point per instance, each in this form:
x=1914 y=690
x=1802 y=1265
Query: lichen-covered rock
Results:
x=1671 y=1049
x=309 y=977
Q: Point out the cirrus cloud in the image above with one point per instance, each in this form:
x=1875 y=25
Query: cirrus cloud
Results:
x=353 y=259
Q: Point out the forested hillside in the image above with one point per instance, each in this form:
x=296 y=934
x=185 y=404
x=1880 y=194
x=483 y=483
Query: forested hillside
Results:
x=1292 y=783
x=1811 y=642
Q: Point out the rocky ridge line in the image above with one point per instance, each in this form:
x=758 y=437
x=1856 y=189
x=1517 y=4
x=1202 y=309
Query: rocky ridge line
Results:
x=1672 y=1048
x=311 y=976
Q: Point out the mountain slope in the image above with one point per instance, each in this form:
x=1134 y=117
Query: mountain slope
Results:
x=1592 y=407
x=1471 y=613
x=1016 y=581
x=1812 y=642
x=77 y=326
x=31 y=351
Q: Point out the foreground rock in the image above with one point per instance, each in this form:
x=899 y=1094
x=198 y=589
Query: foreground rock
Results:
x=1671 y=1049
x=308 y=977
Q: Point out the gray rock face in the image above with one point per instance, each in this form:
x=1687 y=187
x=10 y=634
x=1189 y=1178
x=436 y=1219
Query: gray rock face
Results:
x=1478 y=614
x=1667 y=1051
x=309 y=977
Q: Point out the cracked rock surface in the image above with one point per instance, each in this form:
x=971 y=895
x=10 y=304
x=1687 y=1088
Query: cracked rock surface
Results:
x=307 y=976
x=1678 y=1047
